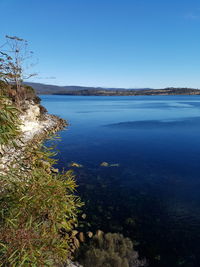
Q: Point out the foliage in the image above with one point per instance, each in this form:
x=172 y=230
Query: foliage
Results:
x=38 y=205
x=26 y=93
x=3 y=86
x=9 y=121
x=111 y=250
x=39 y=210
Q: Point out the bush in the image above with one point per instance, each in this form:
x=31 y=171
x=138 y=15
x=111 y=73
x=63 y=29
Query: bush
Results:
x=38 y=206
x=3 y=86
x=30 y=94
x=39 y=210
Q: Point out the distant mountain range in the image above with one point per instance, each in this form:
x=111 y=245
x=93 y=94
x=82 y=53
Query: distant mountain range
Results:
x=48 y=89
x=54 y=89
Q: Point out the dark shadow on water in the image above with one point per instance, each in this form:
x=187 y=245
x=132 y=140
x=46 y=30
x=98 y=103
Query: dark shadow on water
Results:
x=193 y=122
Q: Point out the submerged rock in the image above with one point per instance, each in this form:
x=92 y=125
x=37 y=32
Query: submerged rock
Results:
x=75 y=165
x=99 y=233
x=106 y=164
x=90 y=234
x=84 y=216
x=81 y=237
x=111 y=249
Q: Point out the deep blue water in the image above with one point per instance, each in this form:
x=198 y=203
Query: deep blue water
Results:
x=153 y=196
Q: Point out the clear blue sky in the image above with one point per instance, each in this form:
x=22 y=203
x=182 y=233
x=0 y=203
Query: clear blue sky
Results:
x=110 y=43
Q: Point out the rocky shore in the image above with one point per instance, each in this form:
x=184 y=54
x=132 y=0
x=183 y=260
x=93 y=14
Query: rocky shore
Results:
x=35 y=128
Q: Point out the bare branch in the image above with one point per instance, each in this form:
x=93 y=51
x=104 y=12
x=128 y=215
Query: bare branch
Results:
x=14 y=61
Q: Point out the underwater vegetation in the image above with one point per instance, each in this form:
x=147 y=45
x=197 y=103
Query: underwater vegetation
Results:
x=111 y=250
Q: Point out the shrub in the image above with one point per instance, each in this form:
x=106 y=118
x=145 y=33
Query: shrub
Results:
x=3 y=86
x=30 y=94
x=38 y=206
x=39 y=210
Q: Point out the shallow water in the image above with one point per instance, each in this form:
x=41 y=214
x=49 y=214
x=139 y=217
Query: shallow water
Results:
x=153 y=196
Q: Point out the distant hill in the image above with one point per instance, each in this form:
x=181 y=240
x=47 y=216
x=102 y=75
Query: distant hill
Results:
x=84 y=90
x=55 y=89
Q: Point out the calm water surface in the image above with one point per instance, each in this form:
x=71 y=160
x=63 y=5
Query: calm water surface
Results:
x=153 y=196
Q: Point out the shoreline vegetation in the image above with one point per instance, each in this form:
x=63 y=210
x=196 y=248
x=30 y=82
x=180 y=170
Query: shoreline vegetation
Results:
x=39 y=206
x=48 y=89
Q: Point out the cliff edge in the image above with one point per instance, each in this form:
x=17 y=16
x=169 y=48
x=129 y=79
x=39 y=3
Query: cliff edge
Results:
x=35 y=125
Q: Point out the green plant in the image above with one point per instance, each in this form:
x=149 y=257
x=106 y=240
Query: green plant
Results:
x=38 y=206
x=38 y=212
x=9 y=121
